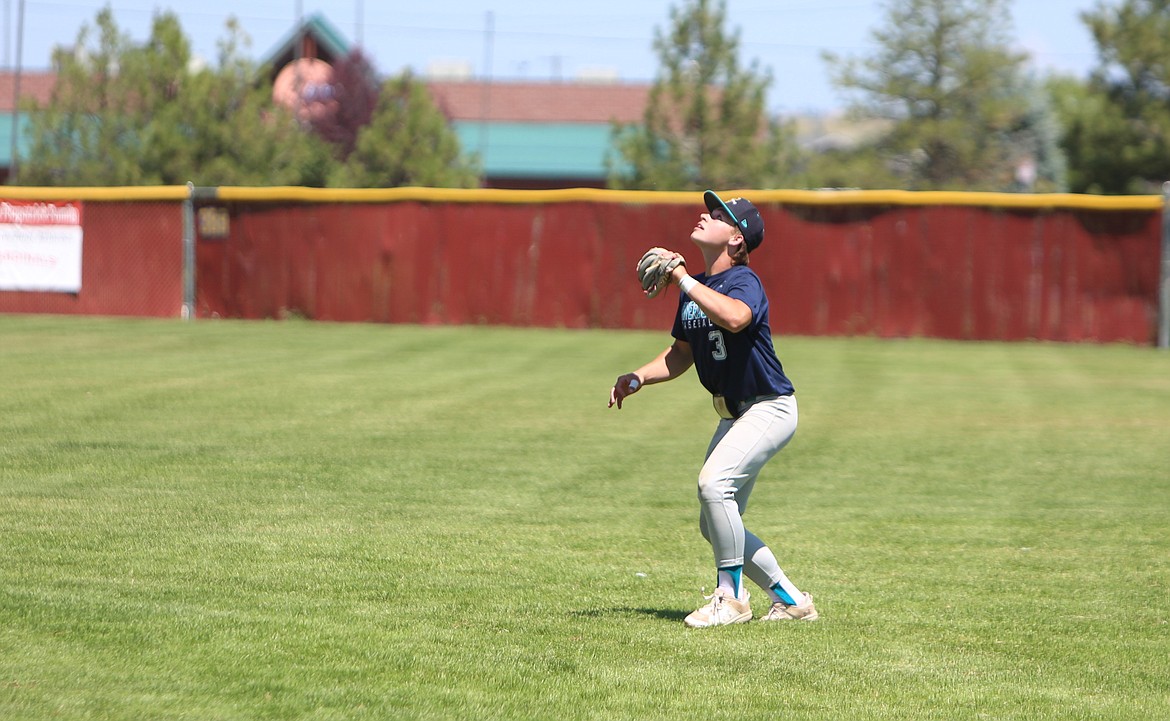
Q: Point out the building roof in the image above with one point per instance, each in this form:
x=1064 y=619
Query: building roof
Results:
x=322 y=39
x=506 y=101
x=534 y=102
x=35 y=84
x=538 y=133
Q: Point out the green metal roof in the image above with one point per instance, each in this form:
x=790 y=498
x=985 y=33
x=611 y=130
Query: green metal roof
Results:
x=533 y=150
x=329 y=37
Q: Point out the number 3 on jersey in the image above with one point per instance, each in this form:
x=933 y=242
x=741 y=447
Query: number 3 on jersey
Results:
x=719 y=348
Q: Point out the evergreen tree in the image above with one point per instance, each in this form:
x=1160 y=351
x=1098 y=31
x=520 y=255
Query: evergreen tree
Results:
x=407 y=142
x=705 y=125
x=961 y=110
x=1117 y=126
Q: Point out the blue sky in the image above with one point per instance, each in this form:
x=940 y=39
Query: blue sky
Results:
x=553 y=40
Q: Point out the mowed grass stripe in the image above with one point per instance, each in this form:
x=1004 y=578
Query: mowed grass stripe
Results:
x=234 y=520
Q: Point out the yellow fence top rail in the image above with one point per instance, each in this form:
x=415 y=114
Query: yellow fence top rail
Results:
x=126 y=193
x=639 y=197
x=1025 y=201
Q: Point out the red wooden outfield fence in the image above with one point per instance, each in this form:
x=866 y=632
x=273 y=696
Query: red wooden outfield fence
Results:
x=980 y=266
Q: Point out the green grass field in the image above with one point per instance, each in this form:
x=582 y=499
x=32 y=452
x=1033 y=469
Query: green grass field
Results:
x=262 y=520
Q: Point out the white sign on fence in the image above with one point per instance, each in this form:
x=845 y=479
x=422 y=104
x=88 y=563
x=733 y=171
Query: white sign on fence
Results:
x=40 y=246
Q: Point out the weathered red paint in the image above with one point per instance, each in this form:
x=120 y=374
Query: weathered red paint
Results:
x=132 y=265
x=884 y=270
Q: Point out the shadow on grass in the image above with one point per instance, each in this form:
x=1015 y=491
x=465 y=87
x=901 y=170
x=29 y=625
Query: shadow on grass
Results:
x=665 y=614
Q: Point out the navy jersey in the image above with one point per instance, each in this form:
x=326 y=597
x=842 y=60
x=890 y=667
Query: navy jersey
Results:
x=738 y=366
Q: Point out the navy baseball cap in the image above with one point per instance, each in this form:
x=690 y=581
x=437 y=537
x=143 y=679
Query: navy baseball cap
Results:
x=743 y=214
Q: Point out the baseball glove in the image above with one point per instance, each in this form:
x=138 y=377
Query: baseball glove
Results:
x=654 y=269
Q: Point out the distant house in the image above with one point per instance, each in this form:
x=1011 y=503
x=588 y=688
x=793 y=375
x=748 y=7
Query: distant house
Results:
x=526 y=134
x=37 y=86
x=538 y=135
x=315 y=38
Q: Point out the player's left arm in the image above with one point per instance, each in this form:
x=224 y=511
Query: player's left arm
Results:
x=724 y=311
x=668 y=365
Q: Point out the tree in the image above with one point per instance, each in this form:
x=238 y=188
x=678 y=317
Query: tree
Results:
x=1091 y=129
x=963 y=114
x=355 y=90
x=705 y=124
x=1117 y=126
x=407 y=142
x=140 y=114
x=849 y=167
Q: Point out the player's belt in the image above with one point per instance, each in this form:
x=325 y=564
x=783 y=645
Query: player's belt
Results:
x=725 y=412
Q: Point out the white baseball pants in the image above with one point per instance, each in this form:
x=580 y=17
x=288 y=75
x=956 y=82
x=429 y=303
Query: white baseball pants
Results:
x=738 y=451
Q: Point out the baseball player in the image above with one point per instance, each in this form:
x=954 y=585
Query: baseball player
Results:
x=721 y=327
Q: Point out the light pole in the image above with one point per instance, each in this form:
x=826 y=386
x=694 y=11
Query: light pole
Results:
x=14 y=163
x=358 y=21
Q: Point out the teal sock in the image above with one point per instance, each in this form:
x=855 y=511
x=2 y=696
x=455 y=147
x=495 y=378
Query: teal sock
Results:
x=784 y=596
x=731 y=578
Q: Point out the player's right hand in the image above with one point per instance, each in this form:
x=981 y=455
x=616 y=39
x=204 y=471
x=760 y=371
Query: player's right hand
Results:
x=624 y=386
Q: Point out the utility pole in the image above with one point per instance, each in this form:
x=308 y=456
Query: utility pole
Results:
x=486 y=96
x=14 y=167
x=358 y=22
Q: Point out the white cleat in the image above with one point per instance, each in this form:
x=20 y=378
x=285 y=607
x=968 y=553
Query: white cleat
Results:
x=722 y=609
x=803 y=611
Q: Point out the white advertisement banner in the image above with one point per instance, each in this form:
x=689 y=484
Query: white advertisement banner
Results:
x=40 y=246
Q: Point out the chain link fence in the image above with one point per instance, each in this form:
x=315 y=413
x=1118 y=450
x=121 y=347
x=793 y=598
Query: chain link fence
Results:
x=116 y=252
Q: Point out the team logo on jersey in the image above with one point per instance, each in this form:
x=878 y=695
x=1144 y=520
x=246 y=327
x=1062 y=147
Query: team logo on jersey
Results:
x=693 y=316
